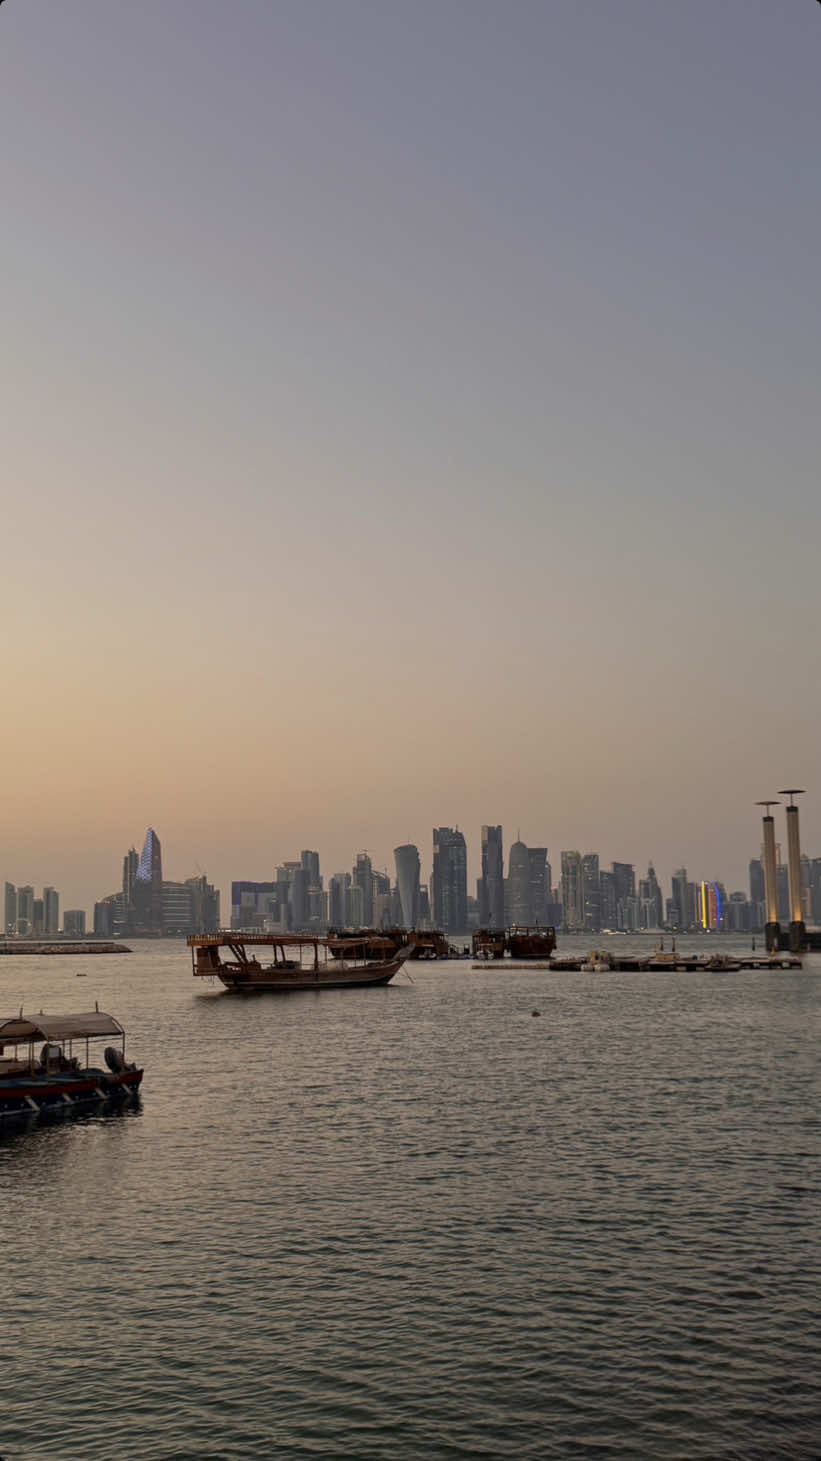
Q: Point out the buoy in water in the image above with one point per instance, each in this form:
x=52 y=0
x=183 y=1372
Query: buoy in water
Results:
x=535 y=1013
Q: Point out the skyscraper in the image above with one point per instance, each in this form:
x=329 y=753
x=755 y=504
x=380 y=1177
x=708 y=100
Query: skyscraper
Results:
x=10 y=909
x=355 y=906
x=624 y=878
x=681 y=900
x=756 y=880
x=105 y=912
x=363 y=879
x=74 y=923
x=131 y=862
x=298 y=897
x=177 y=908
x=815 y=891
x=651 y=900
x=712 y=899
x=518 y=883
x=314 y=899
x=25 y=909
x=782 y=884
x=381 y=899
x=337 y=908
x=492 y=885
x=607 y=899
x=539 y=884
x=572 y=894
x=591 y=893
x=450 y=880
x=147 y=889
x=51 y=911
x=205 y=905
x=424 y=907
x=406 y=858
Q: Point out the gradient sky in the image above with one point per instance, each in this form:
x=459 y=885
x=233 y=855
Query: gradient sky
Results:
x=411 y=416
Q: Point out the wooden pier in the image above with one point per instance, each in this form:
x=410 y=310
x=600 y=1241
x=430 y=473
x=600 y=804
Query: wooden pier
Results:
x=658 y=963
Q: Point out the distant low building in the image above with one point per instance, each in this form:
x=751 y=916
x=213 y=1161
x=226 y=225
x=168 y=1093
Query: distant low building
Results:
x=205 y=905
x=177 y=908
x=253 y=904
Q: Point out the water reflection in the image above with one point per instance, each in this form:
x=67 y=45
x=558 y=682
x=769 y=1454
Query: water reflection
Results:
x=50 y=1135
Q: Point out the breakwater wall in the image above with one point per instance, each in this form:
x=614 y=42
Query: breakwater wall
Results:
x=47 y=946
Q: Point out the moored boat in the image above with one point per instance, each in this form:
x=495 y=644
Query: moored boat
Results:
x=489 y=943
x=531 y=943
x=429 y=944
x=597 y=963
x=55 y=1080
x=365 y=943
x=297 y=962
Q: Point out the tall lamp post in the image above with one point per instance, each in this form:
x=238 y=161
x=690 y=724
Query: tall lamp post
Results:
x=798 y=932
x=772 y=929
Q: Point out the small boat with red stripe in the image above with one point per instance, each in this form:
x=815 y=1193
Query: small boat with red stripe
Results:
x=62 y=1075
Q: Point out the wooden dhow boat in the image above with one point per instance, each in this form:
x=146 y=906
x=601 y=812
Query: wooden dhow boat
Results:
x=365 y=943
x=531 y=943
x=489 y=943
x=56 y=1079
x=297 y=962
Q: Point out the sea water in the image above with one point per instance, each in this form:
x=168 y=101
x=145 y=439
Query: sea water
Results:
x=484 y=1213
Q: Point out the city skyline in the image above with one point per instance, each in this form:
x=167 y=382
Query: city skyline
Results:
x=527 y=873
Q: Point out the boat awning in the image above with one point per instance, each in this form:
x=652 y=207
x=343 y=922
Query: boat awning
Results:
x=57 y=1027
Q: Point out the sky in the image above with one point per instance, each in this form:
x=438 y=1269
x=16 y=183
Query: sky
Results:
x=410 y=419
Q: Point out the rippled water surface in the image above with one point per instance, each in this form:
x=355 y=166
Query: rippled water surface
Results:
x=419 y=1222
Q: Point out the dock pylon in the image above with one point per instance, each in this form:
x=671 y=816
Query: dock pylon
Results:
x=772 y=928
x=798 y=931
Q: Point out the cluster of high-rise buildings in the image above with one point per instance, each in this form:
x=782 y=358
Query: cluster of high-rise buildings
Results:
x=586 y=897
x=296 y=898
x=147 y=904
x=27 y=916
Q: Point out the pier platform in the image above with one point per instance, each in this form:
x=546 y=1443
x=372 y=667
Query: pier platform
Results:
x=650 y=963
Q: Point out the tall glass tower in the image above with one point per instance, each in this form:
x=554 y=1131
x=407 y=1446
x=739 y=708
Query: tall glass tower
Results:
x=407 y=877
x=147 y=887
x=492 y=890
x=450 y=884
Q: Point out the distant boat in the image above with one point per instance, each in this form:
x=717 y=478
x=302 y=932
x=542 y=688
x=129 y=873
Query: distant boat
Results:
x=489 y=943
x=365 y=943
x=597 y=963
x=531 y=943
x=298 y=962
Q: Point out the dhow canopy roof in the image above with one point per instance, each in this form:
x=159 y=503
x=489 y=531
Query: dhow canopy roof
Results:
x=57 y=1027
